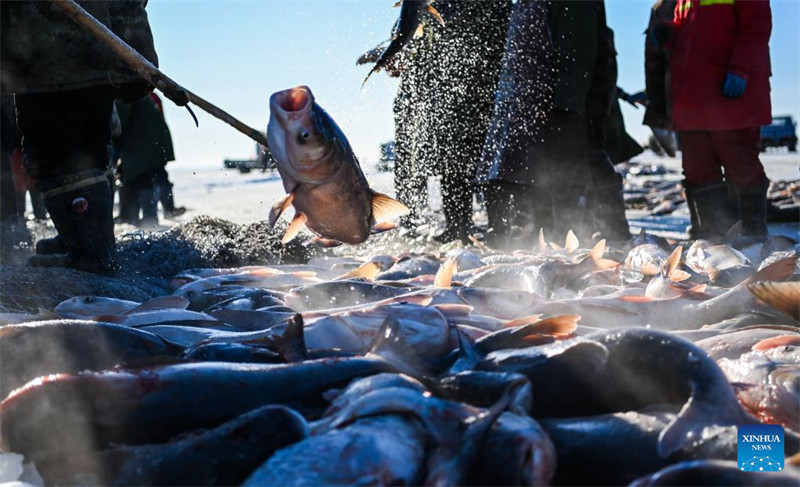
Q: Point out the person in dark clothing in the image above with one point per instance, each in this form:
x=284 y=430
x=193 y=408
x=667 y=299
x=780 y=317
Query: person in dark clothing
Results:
x=145 y=147
x=535 y=159
x=658 y=80
x=65 y=83
x=444 y=106
x=605 y=197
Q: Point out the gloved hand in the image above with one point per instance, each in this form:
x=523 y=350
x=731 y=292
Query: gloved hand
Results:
x=734 y=86
x=659 y=35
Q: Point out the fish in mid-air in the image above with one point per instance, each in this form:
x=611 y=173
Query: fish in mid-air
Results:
x=326 y=185
x=407 y=26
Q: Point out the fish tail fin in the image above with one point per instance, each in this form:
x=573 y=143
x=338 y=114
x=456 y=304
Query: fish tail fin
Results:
x=688 y=426
x=391 y=347
x=783 y=296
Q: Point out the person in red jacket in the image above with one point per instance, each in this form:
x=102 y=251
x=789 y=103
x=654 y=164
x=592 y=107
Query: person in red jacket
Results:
x=719 y=59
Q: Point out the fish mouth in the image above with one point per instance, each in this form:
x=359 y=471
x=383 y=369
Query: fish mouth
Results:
x=297 y=99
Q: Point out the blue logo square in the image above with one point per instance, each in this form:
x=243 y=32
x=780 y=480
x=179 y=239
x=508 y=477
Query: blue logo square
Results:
x=760 y=448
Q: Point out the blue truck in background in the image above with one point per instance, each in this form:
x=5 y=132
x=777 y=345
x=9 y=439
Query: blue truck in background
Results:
x=781 y=132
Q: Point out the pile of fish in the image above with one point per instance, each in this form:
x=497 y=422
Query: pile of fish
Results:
x=658 y=190
x=561 y=365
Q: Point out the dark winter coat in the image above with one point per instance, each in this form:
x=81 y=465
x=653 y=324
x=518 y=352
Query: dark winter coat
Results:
x=538 y=133
x=657 y=76
x=145 y=143
x=446 y=96
x=42 y=50
x=712 y=38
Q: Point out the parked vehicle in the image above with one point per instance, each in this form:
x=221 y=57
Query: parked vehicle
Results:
x=263 y=161
x=388 y=157
x=781 y=132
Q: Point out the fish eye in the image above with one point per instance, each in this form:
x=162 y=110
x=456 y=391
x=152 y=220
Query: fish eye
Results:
x=303 y=136
x=88 y=299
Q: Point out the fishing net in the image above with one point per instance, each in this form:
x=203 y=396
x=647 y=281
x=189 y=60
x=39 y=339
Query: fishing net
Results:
x=24 y=289
x=207 y=242
x=147 y=260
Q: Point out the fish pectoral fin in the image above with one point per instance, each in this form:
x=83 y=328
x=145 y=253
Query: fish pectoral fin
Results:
x=444 y=276
x=562 y=325
x=679 y=276
x=383 y=227
x=418 y=32
x=385 y=208
x=391 y=346
x=370 y=271
x=279 y=207
x=671 y=264
x=571 y=243
x=294 y=228
x=649 y=269
x=436 y=15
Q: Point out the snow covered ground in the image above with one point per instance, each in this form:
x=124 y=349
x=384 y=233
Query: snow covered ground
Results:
x=245 y=198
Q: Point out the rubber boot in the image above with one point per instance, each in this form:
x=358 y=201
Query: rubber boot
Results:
x=752 y=206
x=148 y=200
x=710 y=209
x=51 y=246
x=569 y=211
x=81 y=209
x=608 y=207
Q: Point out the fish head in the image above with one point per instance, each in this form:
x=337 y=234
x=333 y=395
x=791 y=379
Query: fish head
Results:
x=83 y=306
x=306 y=143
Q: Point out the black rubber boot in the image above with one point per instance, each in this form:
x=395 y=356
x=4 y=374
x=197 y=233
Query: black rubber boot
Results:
x=50 y=246
x=81 y=210
x=569 y=211
x=753 y=210
x=608 y=206
x=711 y=213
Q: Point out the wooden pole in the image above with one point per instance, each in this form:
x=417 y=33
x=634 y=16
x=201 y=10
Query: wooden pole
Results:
x=172 y=90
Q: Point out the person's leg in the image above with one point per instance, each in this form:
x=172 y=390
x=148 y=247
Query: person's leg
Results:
x=65 y=139
x=738 y=151
x=606 y=198
x=148 y=199
x=457 y=206
x=706 y=191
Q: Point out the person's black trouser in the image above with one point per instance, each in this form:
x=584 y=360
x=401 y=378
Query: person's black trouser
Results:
x=65 y=138
x=164 y=188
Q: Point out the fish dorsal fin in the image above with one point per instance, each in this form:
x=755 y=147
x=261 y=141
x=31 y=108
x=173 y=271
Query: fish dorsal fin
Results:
x=370 y=271
x=778 y=341
x=279 y=207
x=542 y=242
x=385 y=208
x=671 y=264
x=783 y=296
x=597 y=251
x=699 y=289
x=294 y=227
x=436 y=15
x=161 y=302
x=444 y=276
x=571 y=243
